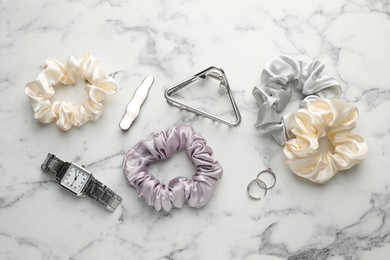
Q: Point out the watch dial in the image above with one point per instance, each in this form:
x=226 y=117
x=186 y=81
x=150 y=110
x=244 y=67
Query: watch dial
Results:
x=75 y=179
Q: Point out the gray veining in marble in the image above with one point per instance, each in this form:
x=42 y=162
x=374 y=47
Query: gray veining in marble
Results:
x=348 y=218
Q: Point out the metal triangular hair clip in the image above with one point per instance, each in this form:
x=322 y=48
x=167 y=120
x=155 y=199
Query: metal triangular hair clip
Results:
x=214 y=73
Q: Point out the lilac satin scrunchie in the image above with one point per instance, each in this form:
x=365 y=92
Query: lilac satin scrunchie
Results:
x=197 y=191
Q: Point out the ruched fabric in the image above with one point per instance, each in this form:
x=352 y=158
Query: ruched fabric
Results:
x=66 y=113
x=322 y=115
x=274 y=92
x=332 y=119
x=196 y=191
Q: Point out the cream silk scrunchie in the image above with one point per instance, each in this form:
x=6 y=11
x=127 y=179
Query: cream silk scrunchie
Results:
x=333 y=119
x=65 y=113
x=323 y=114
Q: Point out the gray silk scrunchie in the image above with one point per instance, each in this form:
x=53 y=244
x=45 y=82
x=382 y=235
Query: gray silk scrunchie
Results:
x=197 y=191
x=274 y=91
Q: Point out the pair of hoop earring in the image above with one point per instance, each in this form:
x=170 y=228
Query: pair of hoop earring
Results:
x=261 y=184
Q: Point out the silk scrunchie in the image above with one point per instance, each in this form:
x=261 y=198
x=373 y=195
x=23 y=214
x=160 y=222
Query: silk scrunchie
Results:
x=323 y=114
x=332 y=119
x=65 y=113
x=197 y=191
x=274 y=92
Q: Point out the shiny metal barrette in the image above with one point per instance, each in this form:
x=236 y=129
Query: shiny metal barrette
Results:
x=214 y=73
x=134 y=106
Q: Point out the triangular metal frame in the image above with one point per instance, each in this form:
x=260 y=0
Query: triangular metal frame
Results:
x=212 y=72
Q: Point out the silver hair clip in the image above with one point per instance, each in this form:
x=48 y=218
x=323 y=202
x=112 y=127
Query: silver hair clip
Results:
x=214 y=73
x=260 y=183
x=133 y=108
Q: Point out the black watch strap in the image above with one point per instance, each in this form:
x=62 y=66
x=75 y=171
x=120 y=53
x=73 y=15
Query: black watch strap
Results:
x=102 y=194
x=54 y=165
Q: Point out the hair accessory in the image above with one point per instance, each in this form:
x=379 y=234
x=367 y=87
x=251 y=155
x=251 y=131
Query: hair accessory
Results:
x=275 y=92
x=197 y=191
x=65 y=113
x=322 y=115
x=133 y=107
x=260 y=183
x=214 y=73
x=331 y=119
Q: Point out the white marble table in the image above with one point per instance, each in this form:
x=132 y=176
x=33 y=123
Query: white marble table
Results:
x=348 y=218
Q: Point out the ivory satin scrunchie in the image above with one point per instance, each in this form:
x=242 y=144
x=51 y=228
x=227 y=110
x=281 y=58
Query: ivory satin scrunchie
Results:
x=65 y=113
x=197 y=191
x=332 y=119
x=323 y=115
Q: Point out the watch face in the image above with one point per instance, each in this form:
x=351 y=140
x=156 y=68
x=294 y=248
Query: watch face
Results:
x=75 y=178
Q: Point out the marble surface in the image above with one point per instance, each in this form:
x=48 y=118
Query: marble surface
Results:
x=348 y=218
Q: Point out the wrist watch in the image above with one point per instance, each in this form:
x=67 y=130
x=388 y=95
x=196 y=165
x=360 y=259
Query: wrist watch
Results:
x=80 y=181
